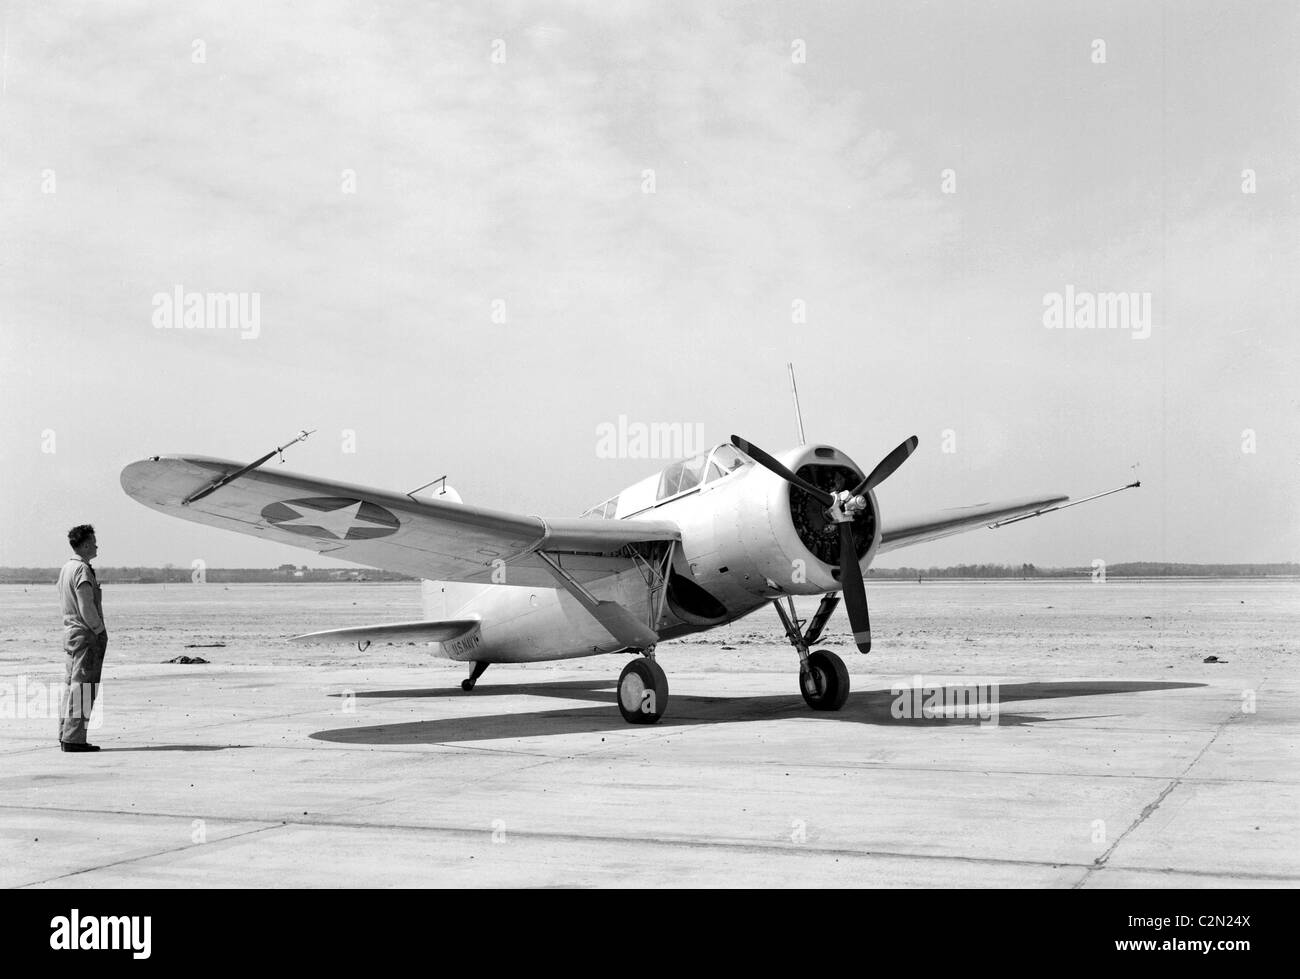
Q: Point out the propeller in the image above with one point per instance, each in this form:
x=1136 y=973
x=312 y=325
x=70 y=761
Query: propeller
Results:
x=886 y=466
x=761 y=457
x=842 y=509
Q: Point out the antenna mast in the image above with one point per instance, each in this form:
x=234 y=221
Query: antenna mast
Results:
x=798 y=415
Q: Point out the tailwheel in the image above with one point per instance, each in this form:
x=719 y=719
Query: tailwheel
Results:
x=642 y=691
x=825 y=683
x=476 y=671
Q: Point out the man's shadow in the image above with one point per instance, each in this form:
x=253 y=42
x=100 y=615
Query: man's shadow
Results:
x=177 y=747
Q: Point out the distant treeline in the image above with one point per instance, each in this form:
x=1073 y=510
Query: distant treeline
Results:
x=1131 y=569
x=170 y=575
x=288 y=573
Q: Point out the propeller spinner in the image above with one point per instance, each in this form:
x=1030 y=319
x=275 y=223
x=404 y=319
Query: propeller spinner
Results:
x=842 y=508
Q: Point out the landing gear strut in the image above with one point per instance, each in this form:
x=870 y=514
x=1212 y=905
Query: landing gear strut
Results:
x=642 y=691
x=468 y=683
x=823 y=677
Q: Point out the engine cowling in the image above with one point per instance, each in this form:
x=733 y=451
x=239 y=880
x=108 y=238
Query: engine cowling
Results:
x=756 y=537
x=789 y=538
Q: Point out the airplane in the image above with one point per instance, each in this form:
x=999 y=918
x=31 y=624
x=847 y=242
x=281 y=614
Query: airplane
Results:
x=697 y=545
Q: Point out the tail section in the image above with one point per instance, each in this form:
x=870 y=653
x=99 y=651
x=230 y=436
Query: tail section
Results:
x=444 y=599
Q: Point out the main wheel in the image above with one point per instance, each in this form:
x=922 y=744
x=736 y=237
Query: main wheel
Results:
x=826 y=684
x=642 y=691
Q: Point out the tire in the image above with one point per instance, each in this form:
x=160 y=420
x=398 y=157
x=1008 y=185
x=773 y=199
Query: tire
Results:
x=826 y=684
x=642 y=691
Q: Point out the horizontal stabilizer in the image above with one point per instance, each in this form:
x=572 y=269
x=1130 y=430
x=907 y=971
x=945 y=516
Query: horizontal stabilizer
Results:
x=443 y=631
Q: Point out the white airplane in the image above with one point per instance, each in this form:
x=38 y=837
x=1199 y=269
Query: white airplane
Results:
x=697 y=545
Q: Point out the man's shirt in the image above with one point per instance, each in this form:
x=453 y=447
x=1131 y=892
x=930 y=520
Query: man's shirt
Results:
x=80 y=596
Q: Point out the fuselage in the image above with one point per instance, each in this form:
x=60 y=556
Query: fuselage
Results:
x=747 y=537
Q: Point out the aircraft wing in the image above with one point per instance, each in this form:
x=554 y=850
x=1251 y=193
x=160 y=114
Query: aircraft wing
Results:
x=918 y=529
x=427 y=538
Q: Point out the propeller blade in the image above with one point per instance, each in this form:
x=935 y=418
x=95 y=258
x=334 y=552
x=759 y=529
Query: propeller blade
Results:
x=885 y=468
x=855 y=592
x=765 y=460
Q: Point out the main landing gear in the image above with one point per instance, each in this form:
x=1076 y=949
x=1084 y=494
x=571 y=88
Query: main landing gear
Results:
x=642 y=690
x=823 y=677
x=824 y=681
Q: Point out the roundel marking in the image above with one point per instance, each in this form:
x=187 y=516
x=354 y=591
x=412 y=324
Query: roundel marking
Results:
x=331 y=518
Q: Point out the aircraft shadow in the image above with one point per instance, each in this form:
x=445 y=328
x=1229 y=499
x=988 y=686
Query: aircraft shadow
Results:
x=864 y=707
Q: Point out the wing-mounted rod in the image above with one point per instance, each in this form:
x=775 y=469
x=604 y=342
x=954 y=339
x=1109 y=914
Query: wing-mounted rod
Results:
x=909 y=530
x=1062 y=506
x=231 y=477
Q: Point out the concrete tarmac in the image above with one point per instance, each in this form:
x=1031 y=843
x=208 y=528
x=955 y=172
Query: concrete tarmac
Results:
x=268 y=776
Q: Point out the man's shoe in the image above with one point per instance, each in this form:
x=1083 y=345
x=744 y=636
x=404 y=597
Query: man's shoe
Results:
x=78 y=746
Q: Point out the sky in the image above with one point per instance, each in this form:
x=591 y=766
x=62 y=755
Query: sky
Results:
x=478 y=233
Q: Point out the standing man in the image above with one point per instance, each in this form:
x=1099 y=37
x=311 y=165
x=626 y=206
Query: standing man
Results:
x=85 y=638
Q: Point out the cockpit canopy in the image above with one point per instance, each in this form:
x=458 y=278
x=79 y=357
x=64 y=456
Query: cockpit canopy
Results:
x=603 y=511
x=703 y=468
x=674 y=480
